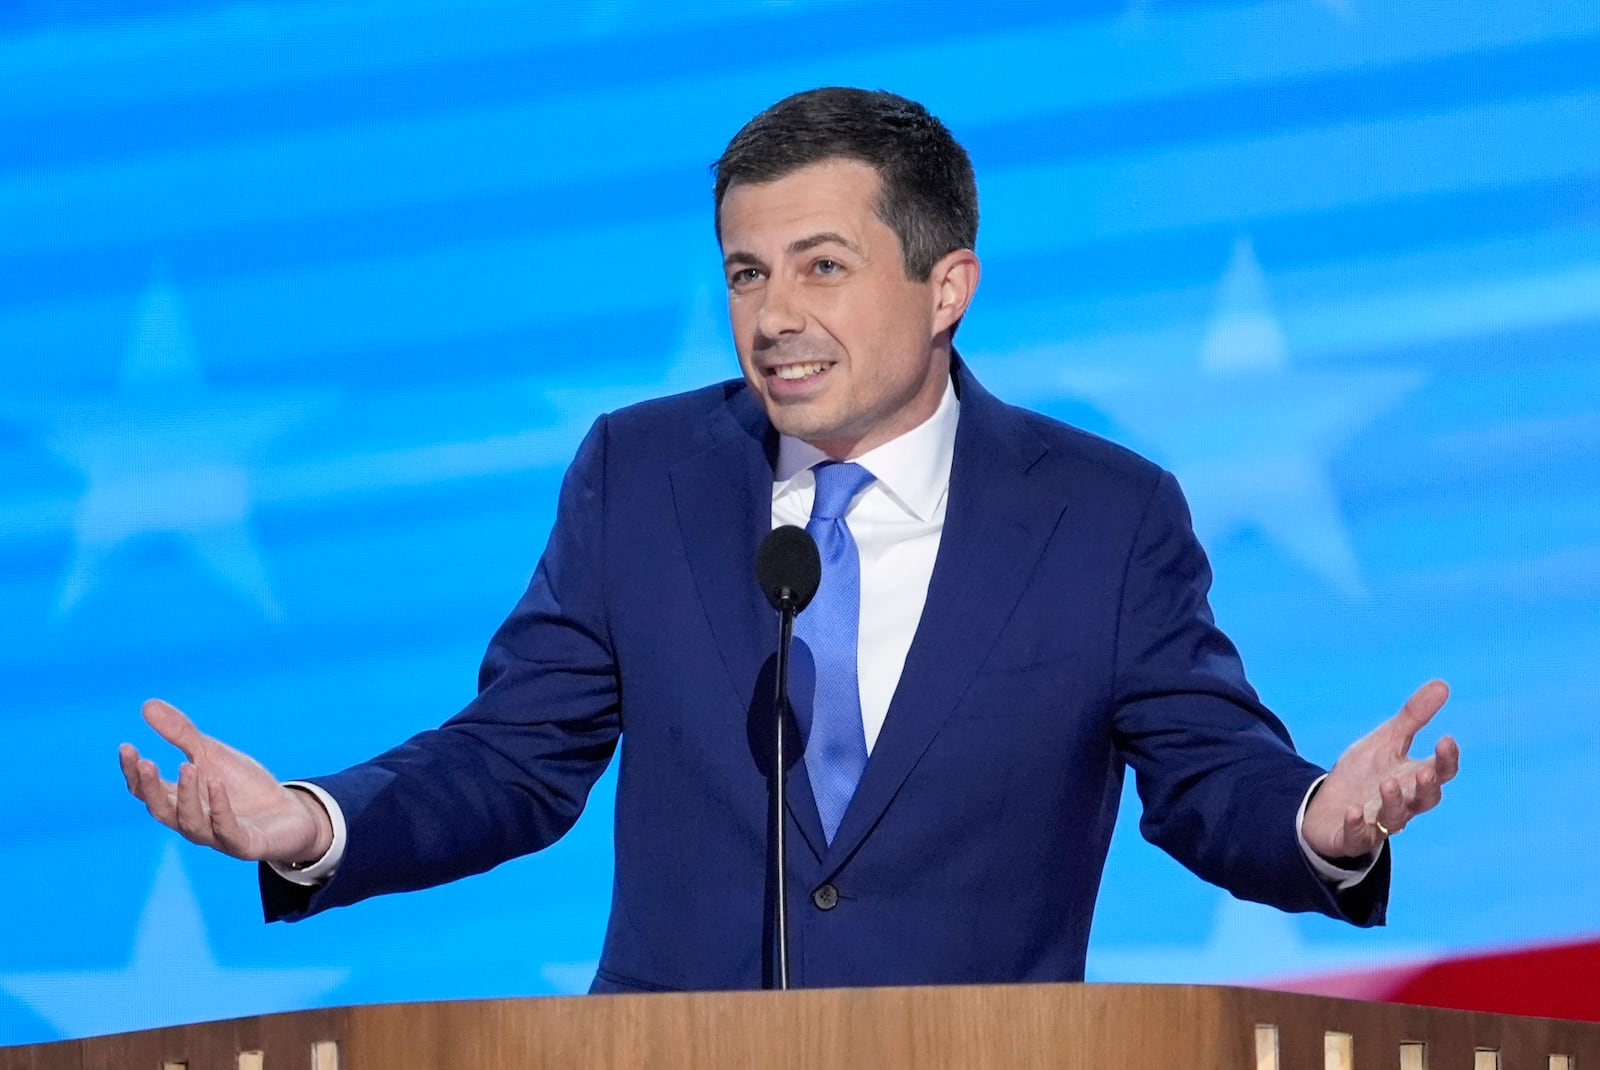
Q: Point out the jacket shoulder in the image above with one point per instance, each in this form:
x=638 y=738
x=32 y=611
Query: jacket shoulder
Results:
x=1091 y=449
x=1084 y=460
x=1090 y=461
x=661 y=431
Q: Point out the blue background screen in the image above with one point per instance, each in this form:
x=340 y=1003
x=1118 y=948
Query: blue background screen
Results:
x=304 y=307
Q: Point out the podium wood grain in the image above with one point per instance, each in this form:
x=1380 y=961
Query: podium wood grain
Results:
x=1000 y=1027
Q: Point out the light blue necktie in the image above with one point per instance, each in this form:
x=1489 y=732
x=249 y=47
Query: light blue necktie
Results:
x=836 y=746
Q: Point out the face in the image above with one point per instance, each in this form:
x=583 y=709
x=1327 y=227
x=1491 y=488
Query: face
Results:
x=841 y=347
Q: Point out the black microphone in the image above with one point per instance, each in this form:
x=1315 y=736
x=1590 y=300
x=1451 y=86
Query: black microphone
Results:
x=789 y=570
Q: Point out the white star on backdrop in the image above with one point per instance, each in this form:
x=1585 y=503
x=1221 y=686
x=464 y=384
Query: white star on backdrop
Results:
x=165 y=455
x=1249 y=437
x=171 y=975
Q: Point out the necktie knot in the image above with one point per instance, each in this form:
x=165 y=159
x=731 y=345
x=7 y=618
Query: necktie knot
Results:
x=838 y=482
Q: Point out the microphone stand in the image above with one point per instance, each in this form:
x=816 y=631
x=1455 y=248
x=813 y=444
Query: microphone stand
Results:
x=786 y=615
x=789 y=572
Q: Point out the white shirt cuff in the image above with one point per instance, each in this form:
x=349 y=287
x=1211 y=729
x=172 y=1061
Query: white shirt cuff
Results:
x=322 y=869
x=1337 y=876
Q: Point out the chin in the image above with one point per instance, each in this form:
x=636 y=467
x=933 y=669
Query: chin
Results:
x=804 y=430
x=798 y=420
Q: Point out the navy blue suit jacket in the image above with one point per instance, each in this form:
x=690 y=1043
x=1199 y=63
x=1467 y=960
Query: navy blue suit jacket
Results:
x=1066 y=637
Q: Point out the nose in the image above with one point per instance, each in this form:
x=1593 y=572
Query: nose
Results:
x=780 y=312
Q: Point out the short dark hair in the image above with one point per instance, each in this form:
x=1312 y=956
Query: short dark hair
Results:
x=929 y=196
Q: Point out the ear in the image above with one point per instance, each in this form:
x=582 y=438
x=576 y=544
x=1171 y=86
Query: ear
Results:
x=953 y=281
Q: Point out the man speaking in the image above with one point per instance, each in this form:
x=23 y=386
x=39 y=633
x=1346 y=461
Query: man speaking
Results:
x=1012 y=613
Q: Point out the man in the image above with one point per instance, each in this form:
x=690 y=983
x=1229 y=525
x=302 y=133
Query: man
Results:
x=1011 y=611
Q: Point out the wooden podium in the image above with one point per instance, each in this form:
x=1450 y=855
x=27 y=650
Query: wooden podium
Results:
x=1004 y=1027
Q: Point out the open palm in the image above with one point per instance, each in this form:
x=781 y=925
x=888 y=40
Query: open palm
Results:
x=1376 y=787
x=223 y=798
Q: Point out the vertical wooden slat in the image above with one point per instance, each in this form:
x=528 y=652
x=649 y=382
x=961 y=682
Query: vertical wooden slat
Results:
x=1338 y=1051
x=1486 y=1059
x=1266 y=1047
x=1413 y=1055
x=325 y=1055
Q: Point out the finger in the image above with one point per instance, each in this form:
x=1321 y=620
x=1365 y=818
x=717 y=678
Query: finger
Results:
x=128 y=760
x=1428 y=790
x=132 y=772
x=225 y=827
x=1358 y=834
x=193 y=819
x=158 y=796
x=1446 y=759
x=1419 y=709
x=170 y=723
x=1392 y=811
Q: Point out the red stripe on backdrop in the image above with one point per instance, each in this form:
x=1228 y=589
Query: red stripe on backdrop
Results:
x=1555 y=981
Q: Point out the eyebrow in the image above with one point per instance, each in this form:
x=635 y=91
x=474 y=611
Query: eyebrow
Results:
x=739 y=257
x=799 y=245
x=822 y=238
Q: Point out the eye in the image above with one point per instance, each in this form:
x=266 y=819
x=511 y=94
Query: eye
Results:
x=825 y=266
x=743 y=277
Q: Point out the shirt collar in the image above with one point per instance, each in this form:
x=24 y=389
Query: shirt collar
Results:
x=914 y=468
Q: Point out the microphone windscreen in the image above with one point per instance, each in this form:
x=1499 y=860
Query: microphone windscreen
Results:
x=787 y=565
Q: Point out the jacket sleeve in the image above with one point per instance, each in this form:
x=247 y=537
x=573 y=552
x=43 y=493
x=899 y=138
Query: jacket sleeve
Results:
x=1216 y=772
x=511 y=772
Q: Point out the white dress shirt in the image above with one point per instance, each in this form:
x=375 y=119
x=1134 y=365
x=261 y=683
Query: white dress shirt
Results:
x=896 y=522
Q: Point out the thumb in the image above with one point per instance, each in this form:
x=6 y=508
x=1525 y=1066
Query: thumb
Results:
x=1419 y=709
x=171 y=724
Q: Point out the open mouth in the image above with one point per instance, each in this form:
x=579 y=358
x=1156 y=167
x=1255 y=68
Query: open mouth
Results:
x=797 y=372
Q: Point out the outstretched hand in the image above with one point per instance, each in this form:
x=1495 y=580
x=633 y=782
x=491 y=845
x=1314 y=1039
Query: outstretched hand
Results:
x=223 y=798
x=1376 y=788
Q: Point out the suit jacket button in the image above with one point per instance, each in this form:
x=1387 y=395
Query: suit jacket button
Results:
x=826 y=897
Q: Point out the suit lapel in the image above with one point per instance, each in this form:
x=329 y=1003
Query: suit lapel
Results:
x=993 y=535
x=723 y=499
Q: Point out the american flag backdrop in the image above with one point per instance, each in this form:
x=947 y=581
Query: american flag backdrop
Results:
x=304 y=306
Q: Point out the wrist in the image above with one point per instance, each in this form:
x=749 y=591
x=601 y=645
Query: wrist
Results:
x=322 y=838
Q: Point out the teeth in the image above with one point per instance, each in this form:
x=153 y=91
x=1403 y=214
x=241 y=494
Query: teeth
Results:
x=799 y=371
